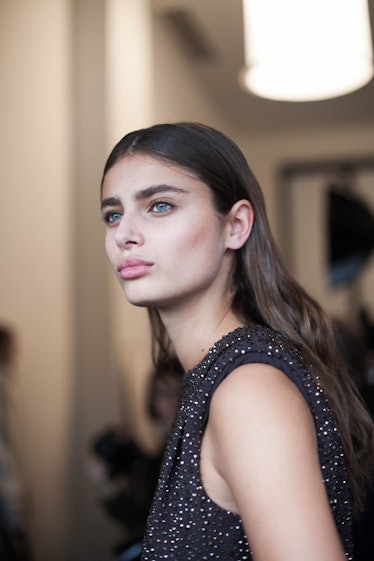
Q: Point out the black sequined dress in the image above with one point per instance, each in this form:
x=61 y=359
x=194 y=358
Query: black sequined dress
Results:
x=184 y=523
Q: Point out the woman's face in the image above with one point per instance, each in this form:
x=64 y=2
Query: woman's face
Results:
x=163 y=236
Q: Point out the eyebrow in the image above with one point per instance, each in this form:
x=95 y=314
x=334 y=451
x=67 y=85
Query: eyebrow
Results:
x=154 y=189
x=144 y=194
x=110 y=201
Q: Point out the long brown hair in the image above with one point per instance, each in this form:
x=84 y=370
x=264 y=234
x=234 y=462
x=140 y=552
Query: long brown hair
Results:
x=264 y=292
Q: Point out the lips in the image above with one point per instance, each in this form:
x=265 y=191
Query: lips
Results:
x=133 y=268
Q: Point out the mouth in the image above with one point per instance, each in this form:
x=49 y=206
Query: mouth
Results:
x=133 y=268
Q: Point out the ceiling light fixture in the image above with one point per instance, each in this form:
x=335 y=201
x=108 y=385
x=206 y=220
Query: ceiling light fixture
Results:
x=298 y=50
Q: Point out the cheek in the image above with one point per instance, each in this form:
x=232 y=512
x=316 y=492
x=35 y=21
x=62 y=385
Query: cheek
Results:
x=206 y=237
x=203 y=230
x=187 y=243
x=197 y=246
x=109 y=247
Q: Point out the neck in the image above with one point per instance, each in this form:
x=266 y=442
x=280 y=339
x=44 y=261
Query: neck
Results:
x=194 y=330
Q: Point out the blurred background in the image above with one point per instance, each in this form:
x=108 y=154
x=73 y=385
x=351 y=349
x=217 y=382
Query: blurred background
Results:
x=76 y=75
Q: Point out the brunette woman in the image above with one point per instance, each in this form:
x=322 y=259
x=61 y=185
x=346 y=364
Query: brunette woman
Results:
x=271 y=449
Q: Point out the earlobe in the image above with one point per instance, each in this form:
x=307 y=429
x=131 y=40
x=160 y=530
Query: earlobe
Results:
x=240 y=222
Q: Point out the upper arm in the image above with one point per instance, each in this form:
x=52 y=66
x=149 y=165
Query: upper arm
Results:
x=264 y=447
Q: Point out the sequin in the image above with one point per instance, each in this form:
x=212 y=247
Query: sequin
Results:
x=184 y=523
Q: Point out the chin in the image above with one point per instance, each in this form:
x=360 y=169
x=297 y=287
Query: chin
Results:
x=146 y=296
x=144 y=302
x=139 y=302
x=137 y=299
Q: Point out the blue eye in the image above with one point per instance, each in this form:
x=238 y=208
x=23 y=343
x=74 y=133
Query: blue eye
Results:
x=112 y=217
x=161 y=206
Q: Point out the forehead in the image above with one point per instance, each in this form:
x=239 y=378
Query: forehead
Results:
x=138 y=171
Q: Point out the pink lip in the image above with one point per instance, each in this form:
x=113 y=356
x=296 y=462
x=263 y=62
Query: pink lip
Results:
x=133 y=268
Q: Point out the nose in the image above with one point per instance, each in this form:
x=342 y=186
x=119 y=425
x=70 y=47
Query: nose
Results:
x=128 y=233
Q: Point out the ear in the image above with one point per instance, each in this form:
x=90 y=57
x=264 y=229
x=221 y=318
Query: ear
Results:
x=239 y=224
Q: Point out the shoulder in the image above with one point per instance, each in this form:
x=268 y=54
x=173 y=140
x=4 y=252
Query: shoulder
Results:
x=258 y=419
x=262 y=443
x=256 y=355
x=258 y=416
x=259 y=396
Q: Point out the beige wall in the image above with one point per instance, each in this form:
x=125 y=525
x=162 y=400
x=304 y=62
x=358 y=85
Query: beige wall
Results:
x=36 y=280
x=178 y=95
x=71 y=86
x=53 y=281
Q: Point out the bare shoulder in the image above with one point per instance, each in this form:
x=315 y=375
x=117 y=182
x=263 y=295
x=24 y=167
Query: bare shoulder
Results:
x=257 y=413
x=258 y=390
x=261 y=442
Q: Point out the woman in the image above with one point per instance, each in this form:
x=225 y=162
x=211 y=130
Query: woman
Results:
x=271 y=448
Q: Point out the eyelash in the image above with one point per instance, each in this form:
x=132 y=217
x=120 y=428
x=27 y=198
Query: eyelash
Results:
x=107 y=217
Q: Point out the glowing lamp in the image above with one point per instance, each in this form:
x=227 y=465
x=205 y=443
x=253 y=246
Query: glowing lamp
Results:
x=306 y=50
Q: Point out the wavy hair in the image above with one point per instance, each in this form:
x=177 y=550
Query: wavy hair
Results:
x=264 y=291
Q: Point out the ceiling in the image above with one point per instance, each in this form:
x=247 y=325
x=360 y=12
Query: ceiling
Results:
x=210 y=34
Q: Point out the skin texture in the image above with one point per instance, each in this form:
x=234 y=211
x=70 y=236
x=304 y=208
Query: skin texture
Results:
x=259 y=456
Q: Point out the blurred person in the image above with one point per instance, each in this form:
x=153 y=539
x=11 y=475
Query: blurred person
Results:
x=14 y=544
x=126 y=473
x=272 y=448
